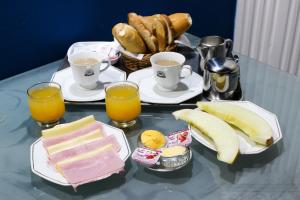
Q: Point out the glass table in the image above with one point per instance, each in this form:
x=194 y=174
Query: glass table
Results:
x=273 y=174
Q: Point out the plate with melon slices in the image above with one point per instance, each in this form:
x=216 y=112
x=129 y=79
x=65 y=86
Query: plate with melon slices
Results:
x=232 y=127
x=81 y=147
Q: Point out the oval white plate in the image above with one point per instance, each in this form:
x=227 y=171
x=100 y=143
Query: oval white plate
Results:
x=246 y=145
x=39 y=157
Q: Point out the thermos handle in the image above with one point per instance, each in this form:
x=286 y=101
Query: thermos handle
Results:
x=229 y=46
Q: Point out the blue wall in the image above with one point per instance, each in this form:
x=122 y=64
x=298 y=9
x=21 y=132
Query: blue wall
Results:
x=34 y=32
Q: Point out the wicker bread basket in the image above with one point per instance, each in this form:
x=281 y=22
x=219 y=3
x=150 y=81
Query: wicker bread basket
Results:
x=134 y=64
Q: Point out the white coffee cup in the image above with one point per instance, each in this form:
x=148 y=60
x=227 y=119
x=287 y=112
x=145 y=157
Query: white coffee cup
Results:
x=167 y=69
x=86 y=68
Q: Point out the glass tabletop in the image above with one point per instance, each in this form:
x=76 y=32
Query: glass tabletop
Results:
x=273 y=174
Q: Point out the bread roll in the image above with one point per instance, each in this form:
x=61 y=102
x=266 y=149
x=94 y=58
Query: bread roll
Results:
x=148 y=22
x=181 y=22
x=150 y=40
x=160 y=30
x=129 y=38
x=169 y=27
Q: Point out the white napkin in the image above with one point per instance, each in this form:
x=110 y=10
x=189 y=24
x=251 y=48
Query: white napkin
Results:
x=108 y=48
x=134 y=55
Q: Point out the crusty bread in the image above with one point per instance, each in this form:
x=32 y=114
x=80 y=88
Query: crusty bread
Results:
x=181 y=22
x=150 y=34
x=160 y=30
x=169 y=27
x=148 y=22
x=129 y=38
x=150 y=40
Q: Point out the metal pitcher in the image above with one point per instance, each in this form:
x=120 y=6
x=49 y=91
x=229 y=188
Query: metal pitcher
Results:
x=221 y=78
x=213 y=46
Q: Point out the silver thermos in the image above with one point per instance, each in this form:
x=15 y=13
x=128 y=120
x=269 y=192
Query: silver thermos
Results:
x=221 y=78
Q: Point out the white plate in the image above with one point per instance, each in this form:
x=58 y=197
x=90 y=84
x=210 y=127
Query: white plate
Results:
x=246 y=145
x=39 y=157
x=149 y=92
x=73 y=92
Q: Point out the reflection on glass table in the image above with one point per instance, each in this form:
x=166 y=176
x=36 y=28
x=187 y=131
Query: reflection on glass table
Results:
x=272 y=174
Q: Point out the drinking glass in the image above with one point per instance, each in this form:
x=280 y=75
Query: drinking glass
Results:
x=123 y=103
x=46 y=103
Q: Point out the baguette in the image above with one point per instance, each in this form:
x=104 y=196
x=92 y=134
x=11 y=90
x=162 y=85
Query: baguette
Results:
x=160 y=30
x=150 y=40
x=181 y=22
x=129 y=38
x=148 y=22
x=169 y=27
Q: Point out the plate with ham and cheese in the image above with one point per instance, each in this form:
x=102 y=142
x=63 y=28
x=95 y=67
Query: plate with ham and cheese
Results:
x=79 y=152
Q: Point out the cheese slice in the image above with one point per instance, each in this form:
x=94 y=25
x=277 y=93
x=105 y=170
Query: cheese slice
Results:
x=81 y=140
x=62 y=138
x=69 y=127
x=90 y=154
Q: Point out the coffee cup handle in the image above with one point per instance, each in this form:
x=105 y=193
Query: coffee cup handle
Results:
x=108 y=63
x=189 y=68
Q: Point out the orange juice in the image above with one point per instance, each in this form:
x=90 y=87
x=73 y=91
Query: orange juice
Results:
x=46 y=103
x=122 y=102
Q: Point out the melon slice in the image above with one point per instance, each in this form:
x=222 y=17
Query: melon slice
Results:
x=222 y=134
x=249 y=122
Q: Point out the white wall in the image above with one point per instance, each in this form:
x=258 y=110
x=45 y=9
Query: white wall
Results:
x=269 y=30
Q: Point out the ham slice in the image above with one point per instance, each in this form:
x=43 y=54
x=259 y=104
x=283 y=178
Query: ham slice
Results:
x=69 y=144
x=93 y=168
x=82 y=153
x=62 y=155
x=58 y=139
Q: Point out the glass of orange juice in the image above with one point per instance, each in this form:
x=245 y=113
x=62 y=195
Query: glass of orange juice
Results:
x=123 y=103
x=46 y=103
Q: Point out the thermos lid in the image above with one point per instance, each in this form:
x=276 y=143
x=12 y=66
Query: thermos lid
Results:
x=222 y=65
x=211 y=41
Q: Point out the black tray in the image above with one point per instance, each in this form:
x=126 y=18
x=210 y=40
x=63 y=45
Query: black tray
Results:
x=192 y=59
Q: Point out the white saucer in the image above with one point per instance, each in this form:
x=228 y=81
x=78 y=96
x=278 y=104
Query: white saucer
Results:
x=72 y=92
x=149 y=91
x=246 y=145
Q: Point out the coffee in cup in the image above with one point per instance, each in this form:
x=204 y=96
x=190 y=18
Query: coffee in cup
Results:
x=167 y=68
x=167 y=63
x=86 y=68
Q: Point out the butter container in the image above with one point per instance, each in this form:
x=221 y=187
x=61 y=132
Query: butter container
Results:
x=175 y=159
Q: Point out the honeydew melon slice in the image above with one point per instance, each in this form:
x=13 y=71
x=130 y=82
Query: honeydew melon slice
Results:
x=222 y=134
x=255 y=127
